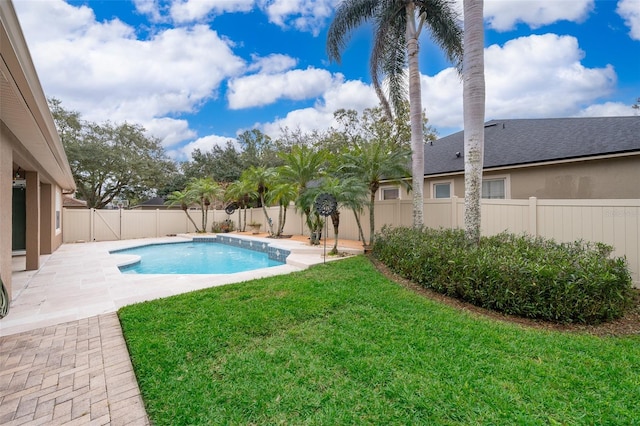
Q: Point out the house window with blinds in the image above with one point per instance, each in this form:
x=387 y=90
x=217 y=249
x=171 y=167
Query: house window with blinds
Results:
x=390 y=193
x=494 y=189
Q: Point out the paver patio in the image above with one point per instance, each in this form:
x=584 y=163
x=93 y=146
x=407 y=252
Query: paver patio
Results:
x=75 y=373
x=63 y=359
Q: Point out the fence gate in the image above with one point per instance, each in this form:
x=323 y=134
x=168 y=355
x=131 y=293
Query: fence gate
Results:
x=107 y=224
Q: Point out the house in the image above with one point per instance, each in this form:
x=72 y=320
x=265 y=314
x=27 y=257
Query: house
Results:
x=70 y=202
x=34 y=170
x=154 y=204
x=550 y=158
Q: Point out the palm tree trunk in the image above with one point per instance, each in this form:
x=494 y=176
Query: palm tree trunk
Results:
x=474 y=108
x=335 y=220
x=357 y=216
x=372 y=224
x=186 y=211
x=244 y=224
x=266 y=215
x=280 y=224
x=415 y=111
x=284 y=220
x=204 y=217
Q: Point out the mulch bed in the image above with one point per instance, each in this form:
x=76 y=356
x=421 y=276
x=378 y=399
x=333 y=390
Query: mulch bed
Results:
x=625 y=326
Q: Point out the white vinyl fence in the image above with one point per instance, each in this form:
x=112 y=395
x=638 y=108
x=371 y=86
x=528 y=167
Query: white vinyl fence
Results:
x=614 y=222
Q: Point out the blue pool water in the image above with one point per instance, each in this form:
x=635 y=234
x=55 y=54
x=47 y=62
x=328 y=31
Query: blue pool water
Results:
x=195 y=258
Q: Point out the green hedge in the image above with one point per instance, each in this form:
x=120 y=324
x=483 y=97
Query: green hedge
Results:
x=520 y=275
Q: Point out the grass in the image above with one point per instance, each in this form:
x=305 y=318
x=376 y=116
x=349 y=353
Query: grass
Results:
x=341 y=344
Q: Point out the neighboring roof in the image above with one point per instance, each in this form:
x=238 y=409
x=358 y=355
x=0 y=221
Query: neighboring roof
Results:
x=154 y=202
x=23 y=106
x=527 y=141
x=68 y=201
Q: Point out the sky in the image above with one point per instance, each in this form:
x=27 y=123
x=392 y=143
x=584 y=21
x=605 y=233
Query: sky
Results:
x=196 y=73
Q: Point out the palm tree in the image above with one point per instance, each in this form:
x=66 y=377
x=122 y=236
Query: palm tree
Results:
x=372 y=162
x=474 y=106
x=349 y=193
x=241 y=192
x=204 y=191
x=261 y=178
x=304 y=165
x=184 y=199
x=282 y=194
x=397 y=26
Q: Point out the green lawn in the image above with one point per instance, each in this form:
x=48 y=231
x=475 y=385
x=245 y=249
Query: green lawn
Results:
x=341 y=344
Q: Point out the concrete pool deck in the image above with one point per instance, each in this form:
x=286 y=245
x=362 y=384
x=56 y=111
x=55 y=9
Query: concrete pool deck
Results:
x=82 y=280
x=63 y=358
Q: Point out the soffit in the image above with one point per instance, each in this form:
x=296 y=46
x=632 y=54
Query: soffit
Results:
x=23 y=107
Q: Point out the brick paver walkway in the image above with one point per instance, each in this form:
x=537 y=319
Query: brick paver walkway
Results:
x=76 y=373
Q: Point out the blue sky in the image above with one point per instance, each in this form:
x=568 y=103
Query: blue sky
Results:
x=196 y=73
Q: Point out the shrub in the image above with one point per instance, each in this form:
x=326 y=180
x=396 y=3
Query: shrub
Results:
x=520 y=275
x=224 y=226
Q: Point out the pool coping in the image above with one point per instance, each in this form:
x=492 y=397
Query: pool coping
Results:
x=81 y=280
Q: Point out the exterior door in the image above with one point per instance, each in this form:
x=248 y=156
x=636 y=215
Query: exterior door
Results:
x=19 y=219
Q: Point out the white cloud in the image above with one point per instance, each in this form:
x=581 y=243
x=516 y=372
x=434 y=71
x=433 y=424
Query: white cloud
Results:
x=504 y=15
x=442 y=98
x=264 y=89
x=607 y=109
x=204 y=144
x=169 y=130
x=306 y=120
x=150 y=8
x=272 y=64
x=352 y=94
x=528 y=77
x=542 y=76
x=185 y=11
x=303 y=15
x=104 y=72
x=629 y=10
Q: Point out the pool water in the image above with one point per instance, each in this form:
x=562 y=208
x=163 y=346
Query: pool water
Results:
x=195 y=258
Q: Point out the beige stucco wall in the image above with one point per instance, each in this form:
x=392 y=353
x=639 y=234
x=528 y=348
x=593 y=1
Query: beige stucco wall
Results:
x=615 y=178
x=6 y=194
x=611 y=178
x=47 y=197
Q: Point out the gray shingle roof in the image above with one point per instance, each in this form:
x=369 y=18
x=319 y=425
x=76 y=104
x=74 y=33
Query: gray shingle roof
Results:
x=525 y=141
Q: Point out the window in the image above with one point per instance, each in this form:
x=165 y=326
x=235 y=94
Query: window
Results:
x=493 y=189
x=390 y=193
x=442 y=190
x=58 y=211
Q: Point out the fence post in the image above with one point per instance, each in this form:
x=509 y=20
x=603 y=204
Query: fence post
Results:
x=157 y=223
x=533 y=216
x=91 y=225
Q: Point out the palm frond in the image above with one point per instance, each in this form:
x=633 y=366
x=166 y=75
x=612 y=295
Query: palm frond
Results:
x=349 y=15
x=445 y=26
x=388 y=55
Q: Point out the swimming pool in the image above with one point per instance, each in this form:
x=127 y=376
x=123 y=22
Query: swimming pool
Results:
x=195 y=257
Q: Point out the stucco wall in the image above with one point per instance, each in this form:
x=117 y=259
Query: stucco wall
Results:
x=613 y=178
x=6 y=179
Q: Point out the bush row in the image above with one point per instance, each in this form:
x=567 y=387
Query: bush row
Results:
x=520 y=275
